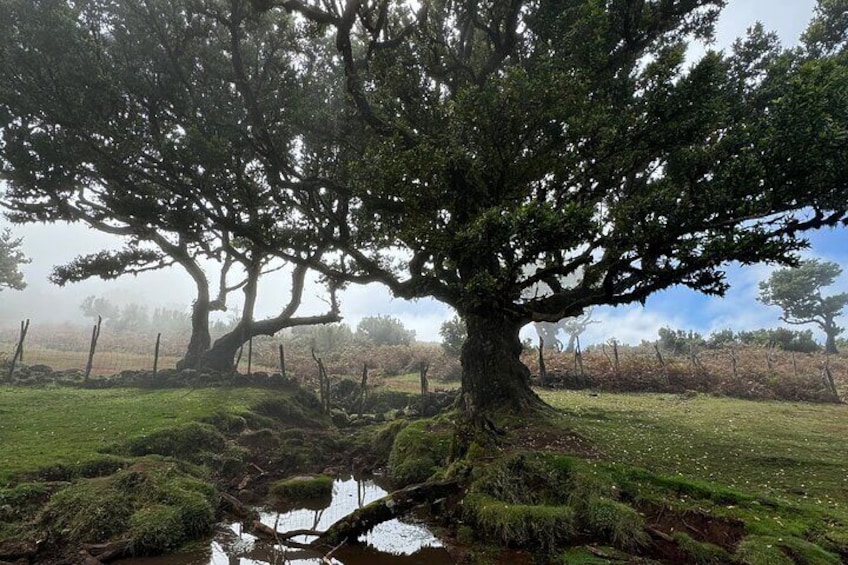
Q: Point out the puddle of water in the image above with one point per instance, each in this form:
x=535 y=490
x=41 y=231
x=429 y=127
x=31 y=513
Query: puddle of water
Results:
x=396 y=542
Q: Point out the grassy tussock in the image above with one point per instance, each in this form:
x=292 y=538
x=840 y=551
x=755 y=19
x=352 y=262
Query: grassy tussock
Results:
x=155 y=504
x=419 y=450
x=522 y=525
x=541 y=501
x=302 y=488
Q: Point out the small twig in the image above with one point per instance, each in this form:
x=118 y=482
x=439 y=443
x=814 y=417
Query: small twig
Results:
x=327 y=558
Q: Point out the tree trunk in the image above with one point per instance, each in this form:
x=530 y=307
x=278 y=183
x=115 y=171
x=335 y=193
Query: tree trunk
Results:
x=493 y=376
x=830 y=343
x=200 y=339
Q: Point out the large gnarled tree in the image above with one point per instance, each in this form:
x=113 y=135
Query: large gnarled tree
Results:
x=139 y=119
x=510 y=144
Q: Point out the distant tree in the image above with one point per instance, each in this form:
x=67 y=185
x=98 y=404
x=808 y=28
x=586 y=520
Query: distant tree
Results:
x=384 y=330
x=798 y=292
x=721 y=338
x=679 y=341
x=572 y=327
x=133 y=317
x=98 y=306
x=323 y=338
x=11 y=259
x=453 y=334
x=800 y=341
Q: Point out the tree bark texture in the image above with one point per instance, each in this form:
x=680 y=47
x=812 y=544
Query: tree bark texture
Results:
x=493 y=376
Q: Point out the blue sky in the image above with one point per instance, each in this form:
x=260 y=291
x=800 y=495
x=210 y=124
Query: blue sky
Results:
x=679 y=308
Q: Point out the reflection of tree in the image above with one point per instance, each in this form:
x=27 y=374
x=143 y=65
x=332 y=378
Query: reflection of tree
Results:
x=572 y=327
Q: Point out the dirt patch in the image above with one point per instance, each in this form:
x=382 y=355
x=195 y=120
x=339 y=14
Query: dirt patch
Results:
x=555 y=441
x=722 y=532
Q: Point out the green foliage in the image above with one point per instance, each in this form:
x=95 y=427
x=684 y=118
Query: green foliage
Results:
x=384 y=330
x=419 y=450
x=97 y=306
x=11 y=259
x=453 y=334
x=679 y=342
x=800 y=341
x=300 y=488
x=798 y=292
x=324 y=338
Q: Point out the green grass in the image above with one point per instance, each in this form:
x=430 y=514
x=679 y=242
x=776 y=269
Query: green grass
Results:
x=793 y=451
x=68 y=426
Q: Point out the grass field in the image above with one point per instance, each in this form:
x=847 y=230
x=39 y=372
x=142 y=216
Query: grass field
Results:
x=794 y=452
x=46 y=426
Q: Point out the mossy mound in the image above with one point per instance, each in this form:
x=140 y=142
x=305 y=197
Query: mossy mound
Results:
x=419 y=450
x=191 y=442
x=543 y=501
x=154 y=504
x=303 y=488
x=301 y=409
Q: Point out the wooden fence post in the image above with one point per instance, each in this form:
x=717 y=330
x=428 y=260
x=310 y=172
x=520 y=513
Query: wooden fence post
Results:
x=733 y=363
x=156 y=354
x=543 y=372
x=578 y=358
x=95 y=335
x=363 y=387
x=323 y=383
x=282 y=361
x=827 y=376
x=662 y=362
x=238 y=359
x=250 y=356
x=425 y=384
x=615 y=355
x=19 y=350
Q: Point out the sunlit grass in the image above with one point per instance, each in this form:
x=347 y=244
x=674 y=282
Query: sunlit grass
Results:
x=40 y=427
x=794 y=451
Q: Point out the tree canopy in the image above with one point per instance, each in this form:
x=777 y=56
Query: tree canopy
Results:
x=509 y=148
x=11 y=259
x=519 y=160
x=798 y=292
x=136 y=118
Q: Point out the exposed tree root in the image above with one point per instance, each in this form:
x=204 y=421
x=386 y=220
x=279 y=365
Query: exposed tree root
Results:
x=94 y=553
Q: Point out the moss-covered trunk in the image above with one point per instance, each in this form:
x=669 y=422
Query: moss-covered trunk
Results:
x=493 y=376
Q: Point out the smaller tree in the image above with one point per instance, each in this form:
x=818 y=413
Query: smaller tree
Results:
x=97 y=306
x=798 y=292
x=11 y=259
x=453 y=334
x=384 y=330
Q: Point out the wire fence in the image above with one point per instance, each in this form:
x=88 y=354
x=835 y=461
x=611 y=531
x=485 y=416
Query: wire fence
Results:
x=66 y=347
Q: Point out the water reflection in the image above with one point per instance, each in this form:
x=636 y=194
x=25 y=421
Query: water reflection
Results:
x=395 y=542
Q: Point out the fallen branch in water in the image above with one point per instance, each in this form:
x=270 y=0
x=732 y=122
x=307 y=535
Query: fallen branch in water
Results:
x=262 y=531
x=387 y=508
